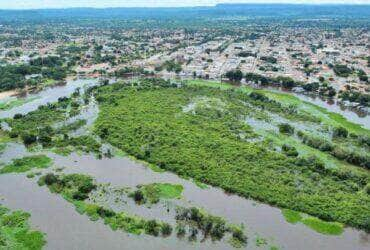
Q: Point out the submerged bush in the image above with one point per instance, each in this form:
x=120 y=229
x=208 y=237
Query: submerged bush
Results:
x=209 y=225
x=166 y=229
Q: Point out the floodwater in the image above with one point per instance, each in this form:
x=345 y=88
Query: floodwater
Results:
x=66 y=229
x=48 y=95
x=352 y=115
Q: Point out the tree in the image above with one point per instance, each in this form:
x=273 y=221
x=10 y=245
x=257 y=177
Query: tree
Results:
x=342 y=70
x=235 y=75
x=28 y=139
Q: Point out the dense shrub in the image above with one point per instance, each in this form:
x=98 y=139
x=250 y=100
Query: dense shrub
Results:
x=340 y=132
x=289 y=150
x=286 y=128
x=152 y=227
x=166 y=229
x=50 y=179
x=28 y=139
x=316 y=142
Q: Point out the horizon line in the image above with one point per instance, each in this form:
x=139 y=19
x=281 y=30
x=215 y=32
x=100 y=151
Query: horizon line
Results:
x=186 y=6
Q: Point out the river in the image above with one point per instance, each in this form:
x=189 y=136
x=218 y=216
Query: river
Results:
x=66 y=229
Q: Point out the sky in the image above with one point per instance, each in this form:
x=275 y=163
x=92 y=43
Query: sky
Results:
x=42 y=4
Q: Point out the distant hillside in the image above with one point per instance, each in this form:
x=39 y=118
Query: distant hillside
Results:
x=264 y=11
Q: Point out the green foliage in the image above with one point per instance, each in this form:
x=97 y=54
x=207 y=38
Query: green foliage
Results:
x=320 y=226
x=27 y=163
x=340 y=132
x=342 y=70
x=152 y=193
x=39 y=120
x=172 y=66
x=37 y=127
x=2 y=147
x=167 y=127
x=211 y=226
x=289 y=150
x=353 y=95
x=330 y=228
x=292 y=216
x=286 y=128
x=269 y=59
x=15 y=231
x=76 y=189
x=14 y=76
x=235 y=75
x=6 y=105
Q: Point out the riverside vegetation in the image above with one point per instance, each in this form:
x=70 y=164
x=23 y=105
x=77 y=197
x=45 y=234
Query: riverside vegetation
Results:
x=26 y=163
x=206 y=133
x=15 y=231
x=40 y=127
x=259 y=144
x=78 y=188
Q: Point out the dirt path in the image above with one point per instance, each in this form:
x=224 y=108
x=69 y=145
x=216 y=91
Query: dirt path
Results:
x=8 y=93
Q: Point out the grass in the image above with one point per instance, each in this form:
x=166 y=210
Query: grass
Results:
x=15 y=231
x=49 y=82
x=168 y=191
x=200 y=184
x=320 y=226
x=153 y=193
x=4 y=138
x=6 y=105
x=292 y=216
x=2 y=147
x=27 y=163
x=327 y=117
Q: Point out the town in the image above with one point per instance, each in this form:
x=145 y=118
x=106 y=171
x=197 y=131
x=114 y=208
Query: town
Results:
x=329 y=63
